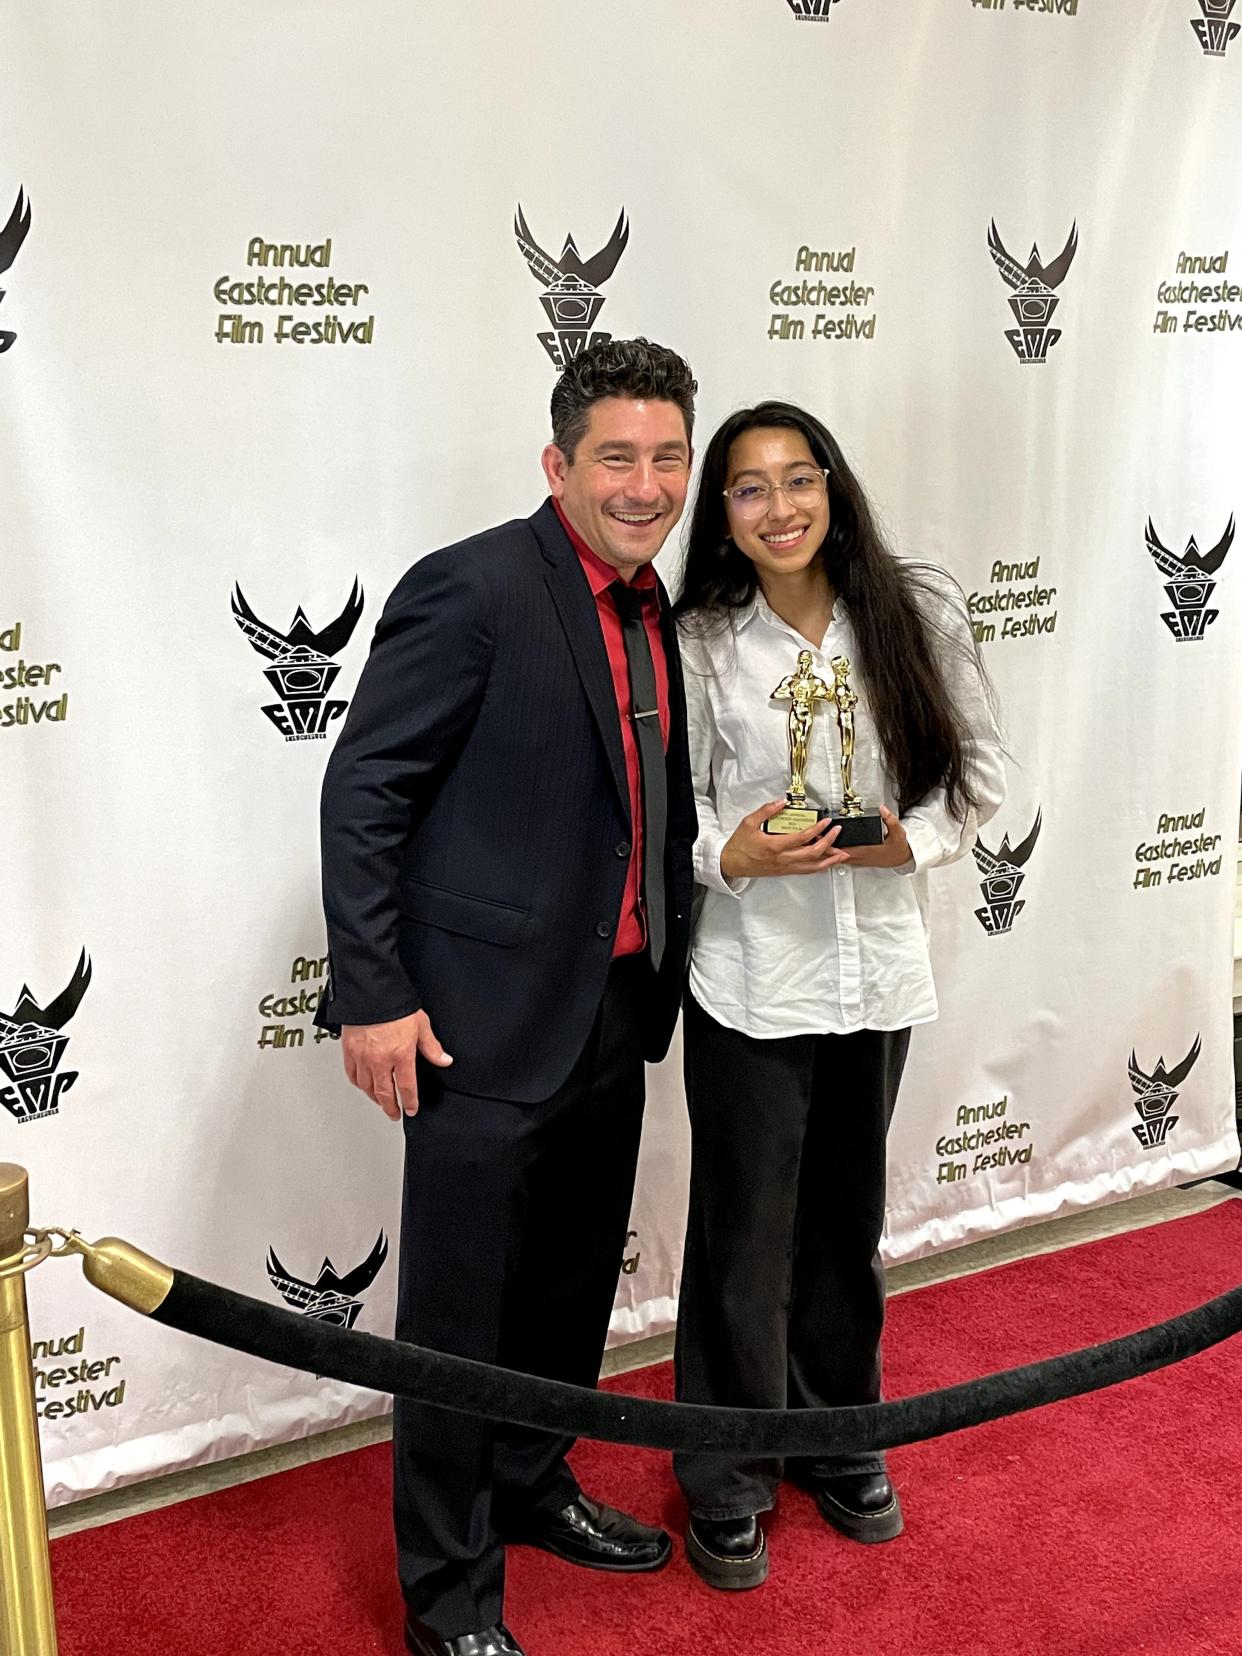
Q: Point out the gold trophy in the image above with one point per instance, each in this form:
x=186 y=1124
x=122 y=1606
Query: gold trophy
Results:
x=802 y=689
x=859 y=824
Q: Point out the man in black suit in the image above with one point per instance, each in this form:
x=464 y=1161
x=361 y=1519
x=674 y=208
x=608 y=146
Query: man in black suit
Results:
x=507 y=829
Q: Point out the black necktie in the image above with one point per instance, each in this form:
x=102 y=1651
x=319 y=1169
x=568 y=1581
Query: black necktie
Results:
x=645 y=713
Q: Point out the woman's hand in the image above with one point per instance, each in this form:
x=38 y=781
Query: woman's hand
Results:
x=749 y=853
x=892 y=853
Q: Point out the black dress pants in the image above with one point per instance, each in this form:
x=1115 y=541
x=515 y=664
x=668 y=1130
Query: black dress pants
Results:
x=512 y=1235
x=782 y=1293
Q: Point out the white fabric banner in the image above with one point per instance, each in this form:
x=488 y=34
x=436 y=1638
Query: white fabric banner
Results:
x=284 y=293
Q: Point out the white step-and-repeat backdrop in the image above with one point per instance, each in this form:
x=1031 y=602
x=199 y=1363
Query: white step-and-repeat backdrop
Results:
x=285 y=291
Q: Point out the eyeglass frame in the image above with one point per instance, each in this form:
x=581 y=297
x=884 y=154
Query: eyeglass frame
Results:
x=772 y=489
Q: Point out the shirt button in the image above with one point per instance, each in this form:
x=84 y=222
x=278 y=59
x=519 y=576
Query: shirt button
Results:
x=603 y=928
x=623 y=849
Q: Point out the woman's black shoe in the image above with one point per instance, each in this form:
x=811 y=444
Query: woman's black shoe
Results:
x=862 y=1505
x=728 y=1552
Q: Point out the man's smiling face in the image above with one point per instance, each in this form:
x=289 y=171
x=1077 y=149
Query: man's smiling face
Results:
x=625 y=486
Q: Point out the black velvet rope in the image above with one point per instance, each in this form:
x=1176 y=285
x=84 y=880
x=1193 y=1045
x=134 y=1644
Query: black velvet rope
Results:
x=467 y=1387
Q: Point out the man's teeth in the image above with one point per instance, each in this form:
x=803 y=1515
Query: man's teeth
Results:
x=783 y=540
x=636 y=517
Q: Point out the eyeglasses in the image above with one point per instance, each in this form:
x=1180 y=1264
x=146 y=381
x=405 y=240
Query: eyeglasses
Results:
x=750 y=500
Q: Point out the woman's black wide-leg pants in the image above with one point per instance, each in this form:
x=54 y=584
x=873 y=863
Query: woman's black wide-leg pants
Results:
x=782 y=1294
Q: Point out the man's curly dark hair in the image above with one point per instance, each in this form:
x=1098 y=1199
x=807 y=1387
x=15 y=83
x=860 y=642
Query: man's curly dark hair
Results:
x=618 y=368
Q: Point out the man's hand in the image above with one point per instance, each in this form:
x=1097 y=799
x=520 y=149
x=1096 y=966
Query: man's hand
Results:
x=892 y=853
x=379 y=1058
x=749 y=853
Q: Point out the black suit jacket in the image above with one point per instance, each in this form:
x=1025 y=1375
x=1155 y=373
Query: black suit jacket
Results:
x=475 y=816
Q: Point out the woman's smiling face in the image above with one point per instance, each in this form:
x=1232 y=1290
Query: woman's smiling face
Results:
x=783 y=534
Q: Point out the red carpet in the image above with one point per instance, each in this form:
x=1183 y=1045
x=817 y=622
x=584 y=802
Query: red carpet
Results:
x=1104 y=1526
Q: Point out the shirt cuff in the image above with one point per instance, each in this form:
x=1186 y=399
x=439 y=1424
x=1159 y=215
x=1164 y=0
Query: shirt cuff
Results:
x=925 y=847
x=707 y=849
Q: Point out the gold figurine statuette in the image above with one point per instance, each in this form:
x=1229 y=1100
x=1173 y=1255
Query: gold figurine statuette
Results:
x=860 y=824
x=802 y=688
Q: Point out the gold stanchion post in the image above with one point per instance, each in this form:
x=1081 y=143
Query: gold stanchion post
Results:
x=27 y=1616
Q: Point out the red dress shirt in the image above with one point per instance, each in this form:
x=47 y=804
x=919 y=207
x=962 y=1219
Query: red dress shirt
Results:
x=631 y=935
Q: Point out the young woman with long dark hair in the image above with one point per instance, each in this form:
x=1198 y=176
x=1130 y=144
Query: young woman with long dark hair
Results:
x=810 y=961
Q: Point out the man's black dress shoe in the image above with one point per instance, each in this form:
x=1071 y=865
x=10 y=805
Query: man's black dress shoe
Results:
x=728 y=1552
x=492 y=1641
x=584 y=1532
x=862 y=1505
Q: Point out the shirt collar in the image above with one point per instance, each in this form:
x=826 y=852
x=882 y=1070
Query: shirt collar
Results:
x=747 y=613
x=759 y=606
x=600 y=575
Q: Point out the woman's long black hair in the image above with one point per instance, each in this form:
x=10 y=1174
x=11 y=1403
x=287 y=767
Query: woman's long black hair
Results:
x=900 y=647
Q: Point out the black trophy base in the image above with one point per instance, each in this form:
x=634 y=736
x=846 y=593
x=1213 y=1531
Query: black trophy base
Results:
x=864 y=829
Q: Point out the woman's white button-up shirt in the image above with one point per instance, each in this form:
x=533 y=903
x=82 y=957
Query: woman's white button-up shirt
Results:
x=847 y=948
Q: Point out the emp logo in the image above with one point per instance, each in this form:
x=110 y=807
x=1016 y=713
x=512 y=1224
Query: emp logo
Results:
x=11 y=239
x=302 y=670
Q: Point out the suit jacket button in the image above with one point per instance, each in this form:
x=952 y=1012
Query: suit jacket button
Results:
x=603 y=928
x=623 y=849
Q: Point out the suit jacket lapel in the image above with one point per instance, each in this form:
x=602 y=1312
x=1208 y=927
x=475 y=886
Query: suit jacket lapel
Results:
x=575 y=604
x=680 y=797
x=672 y=657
